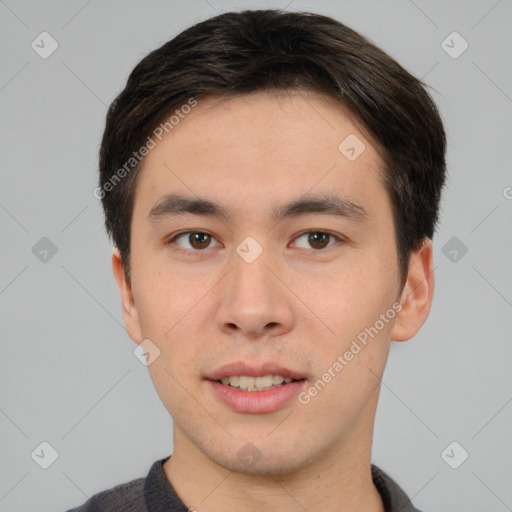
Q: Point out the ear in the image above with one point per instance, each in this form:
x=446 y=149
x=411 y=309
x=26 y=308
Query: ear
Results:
x=417 y=294
x=130 y=313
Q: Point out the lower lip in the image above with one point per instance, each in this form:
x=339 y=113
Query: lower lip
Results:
x=255 y=402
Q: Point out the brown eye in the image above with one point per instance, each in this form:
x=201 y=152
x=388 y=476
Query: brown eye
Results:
x=196 y=240
x=318 y=239
x=199 y=240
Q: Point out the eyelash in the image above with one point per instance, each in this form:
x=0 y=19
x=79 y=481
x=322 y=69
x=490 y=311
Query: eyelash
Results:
x=300 y=235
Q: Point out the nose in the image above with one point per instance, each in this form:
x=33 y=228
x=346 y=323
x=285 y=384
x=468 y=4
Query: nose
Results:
x=255 y=303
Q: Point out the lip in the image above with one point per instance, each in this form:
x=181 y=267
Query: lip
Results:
x=257 y=402
x=256 y=370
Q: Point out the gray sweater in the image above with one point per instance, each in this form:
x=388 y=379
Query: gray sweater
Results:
x=155 y=494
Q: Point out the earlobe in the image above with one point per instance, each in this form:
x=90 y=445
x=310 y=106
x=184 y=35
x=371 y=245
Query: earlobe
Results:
x=416 y=298
x=129 y=308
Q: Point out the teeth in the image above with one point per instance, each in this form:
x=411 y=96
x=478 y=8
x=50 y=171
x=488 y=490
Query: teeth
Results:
x=277 y=379
x=246 y=382
x=254 y=383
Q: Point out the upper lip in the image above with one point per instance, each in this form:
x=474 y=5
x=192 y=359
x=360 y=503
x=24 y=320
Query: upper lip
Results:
x=256 y=370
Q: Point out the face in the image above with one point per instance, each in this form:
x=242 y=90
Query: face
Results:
x=277 y=258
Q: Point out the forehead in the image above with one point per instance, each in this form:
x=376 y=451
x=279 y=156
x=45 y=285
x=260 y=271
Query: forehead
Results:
x=278 y=121
x=262 y=146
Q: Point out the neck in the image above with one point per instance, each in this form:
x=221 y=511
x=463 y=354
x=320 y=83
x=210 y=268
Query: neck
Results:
x=338 y=480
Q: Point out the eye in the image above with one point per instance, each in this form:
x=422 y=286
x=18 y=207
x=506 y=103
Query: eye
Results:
x=197 y=240
x=200 y=240
x=318 y=239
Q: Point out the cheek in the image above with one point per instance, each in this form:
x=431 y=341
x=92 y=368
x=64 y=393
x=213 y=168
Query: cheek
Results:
x=347 y=300
x=351 y=302
x=353 y=362
x=166 y=381
x=173 y=371
x=163 y=300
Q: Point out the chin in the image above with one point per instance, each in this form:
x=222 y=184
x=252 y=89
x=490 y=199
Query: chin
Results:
x=249 y=460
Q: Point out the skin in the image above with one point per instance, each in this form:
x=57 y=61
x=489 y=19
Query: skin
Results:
x=296 y=304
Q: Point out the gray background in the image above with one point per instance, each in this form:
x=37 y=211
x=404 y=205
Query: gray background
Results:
x=68 y=375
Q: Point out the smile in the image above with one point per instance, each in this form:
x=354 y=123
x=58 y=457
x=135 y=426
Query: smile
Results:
x=247 y=383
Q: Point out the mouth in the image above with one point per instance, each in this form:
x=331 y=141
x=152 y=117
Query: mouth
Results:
x=255 y=389
x=249 y=383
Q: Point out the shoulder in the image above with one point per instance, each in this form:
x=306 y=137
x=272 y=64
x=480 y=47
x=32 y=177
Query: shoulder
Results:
x=127 y=497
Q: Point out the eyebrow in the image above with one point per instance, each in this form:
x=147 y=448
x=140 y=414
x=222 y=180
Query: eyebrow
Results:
x=329 y=204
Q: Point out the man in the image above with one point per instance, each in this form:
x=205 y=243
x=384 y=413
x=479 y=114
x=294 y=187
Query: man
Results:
x=271 y=182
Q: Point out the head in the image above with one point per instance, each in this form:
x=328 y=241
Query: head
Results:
x=268 y=125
